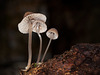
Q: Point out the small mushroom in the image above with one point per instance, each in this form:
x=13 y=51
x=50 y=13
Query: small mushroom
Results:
x=39 y=27
x=27 y=26
x=52 y=34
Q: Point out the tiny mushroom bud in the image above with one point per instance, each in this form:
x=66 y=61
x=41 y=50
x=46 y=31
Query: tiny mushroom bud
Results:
x=52 y=34
x=27 y=26
x=27 y=13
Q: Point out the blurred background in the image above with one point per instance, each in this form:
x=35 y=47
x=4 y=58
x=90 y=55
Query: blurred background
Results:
x=76 y=21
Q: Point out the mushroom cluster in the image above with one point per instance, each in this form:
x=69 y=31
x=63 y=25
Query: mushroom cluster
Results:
x=35 y=22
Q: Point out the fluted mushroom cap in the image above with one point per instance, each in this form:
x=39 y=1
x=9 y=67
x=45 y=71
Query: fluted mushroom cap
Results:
x=37 y=16
x=28 y=19
x=52 y=33
x=39 y=26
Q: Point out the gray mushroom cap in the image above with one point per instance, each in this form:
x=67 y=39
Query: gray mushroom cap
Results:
x=23 y=26
x=52 y=33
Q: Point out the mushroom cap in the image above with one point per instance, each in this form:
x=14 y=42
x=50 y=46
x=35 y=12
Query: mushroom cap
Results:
x=39 y=26
x=29 y=18
x=35 y=16
x=52 y=33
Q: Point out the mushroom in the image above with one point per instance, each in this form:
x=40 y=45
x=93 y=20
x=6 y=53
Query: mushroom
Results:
x=52 y=34
x=39 y=27
x=27 y=26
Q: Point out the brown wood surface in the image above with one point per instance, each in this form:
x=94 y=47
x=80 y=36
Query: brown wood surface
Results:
x=82 y=59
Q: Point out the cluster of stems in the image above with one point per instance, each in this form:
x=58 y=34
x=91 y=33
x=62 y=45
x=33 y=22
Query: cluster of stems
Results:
x=37 y=26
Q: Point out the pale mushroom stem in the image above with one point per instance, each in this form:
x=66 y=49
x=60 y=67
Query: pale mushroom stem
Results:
x=39 y=55
x=29 y=49
x=46 y=50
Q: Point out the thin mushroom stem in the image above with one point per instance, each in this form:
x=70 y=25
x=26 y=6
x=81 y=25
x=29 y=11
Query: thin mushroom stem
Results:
x=39 y=55
x=46 y=50
x=29 y=49
x=40 y=49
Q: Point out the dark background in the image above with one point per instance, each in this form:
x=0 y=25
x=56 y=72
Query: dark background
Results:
x=77 y=21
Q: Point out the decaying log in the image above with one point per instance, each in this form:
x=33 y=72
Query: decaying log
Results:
x=82 y=59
